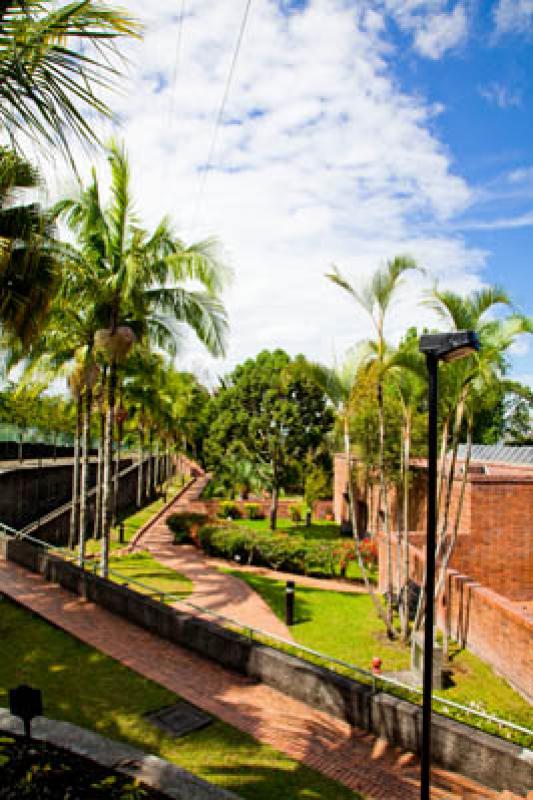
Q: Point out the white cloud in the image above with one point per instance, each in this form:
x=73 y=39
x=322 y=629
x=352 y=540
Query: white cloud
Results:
x=321 y=159
x=514 y=16
x=522 y=175
x=502 y=96
x=500 y=223
x=435 y=29
x=441 y=32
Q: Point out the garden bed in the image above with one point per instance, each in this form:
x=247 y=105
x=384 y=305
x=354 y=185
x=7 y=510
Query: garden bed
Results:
x=40 y=771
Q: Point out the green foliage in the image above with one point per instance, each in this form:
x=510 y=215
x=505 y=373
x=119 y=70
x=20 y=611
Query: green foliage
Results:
x=229 y=510
x=274 y=412
x=317 y=486
x=289 y=552
x=183 y=524
x=253 y=511
x=295 y=514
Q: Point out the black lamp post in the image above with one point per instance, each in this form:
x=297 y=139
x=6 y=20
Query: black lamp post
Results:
x=436 y=347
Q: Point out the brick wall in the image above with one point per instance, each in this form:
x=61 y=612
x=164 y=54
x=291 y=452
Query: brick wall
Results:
x=493 y=627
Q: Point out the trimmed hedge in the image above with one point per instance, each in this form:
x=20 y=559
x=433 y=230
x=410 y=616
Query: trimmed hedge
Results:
x=184 y=525
x=229 y=510
x=279 y=551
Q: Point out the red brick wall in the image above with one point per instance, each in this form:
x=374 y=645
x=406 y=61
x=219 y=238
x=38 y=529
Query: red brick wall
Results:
x=321 y=508
x=496 y=629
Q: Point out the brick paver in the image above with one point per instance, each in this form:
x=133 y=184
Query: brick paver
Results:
x=343 y=753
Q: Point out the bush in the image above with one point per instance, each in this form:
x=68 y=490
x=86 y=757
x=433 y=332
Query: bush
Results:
x=253 y=511
x=295 y=514
x=280 y=551
x=229 y=510
x=185 y=525
x=369 y=552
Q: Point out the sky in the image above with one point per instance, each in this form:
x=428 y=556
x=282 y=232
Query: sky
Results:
x=352 y=132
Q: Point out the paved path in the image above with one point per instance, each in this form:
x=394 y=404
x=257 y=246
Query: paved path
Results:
x=348 y=755
x=212 y=589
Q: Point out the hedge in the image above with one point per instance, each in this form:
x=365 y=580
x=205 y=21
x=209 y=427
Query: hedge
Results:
x=184 y=525
x=280 y=551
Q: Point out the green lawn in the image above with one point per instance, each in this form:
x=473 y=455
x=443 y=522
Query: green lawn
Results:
x=345 y=626
x=85 y=687
x=141 y=566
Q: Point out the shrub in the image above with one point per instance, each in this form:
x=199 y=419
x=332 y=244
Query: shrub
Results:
x=229 y=510
x=369 y=552
x=185 y=525
x=295 y=514
x=253 y=511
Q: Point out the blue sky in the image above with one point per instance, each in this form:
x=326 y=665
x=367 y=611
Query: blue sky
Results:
x=352 y=131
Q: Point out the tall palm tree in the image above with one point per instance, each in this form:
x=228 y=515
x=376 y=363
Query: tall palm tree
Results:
x=54 y=58
x=338 y=384
x=137 y=282
x=375 y=297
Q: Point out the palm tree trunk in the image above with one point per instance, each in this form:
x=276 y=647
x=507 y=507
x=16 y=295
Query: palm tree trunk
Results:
x=442 y=467
x=353 y=515
x=406 y=458
x=157 y=471
x=385 y=501
x=85 y=470
x=99 y=478
x=108 y=470
x=274 y=505
x=149 y=468
x=140 y=467
x=441 y=581
x=75 y=508
x=116 y=480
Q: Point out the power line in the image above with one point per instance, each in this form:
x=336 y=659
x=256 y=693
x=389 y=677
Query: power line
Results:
x=208 y=163
x=176 y=62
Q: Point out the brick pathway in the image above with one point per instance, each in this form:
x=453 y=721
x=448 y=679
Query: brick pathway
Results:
x=348 y=755
x=212 y=589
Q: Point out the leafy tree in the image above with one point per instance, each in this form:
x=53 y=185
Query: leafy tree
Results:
x=277 y=414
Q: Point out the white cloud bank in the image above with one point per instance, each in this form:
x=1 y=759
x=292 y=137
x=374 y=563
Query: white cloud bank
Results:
x=321 y=159
x=435 y=29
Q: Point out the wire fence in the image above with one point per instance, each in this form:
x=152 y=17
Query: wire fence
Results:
x=383 y=683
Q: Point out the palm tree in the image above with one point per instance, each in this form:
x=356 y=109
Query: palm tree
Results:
x=375 y=297
x=54 y=58
x=136 y=282
x=338 y=384
x=28 y=253
x=471 y=377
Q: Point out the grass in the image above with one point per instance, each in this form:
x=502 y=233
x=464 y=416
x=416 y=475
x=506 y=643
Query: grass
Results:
x=90 y=689
x=345 y=626
x=141 y=566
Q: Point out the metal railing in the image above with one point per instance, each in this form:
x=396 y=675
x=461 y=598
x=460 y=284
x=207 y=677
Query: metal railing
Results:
x=376 y=681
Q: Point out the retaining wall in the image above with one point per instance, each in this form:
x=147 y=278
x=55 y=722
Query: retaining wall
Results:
x=478 y=755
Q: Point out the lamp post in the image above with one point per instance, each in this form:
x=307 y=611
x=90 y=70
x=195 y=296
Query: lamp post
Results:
x=436 y=347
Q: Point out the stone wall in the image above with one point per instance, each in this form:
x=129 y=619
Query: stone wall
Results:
x=477 y=755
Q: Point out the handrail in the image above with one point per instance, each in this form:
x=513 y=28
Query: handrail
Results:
x=384 y=679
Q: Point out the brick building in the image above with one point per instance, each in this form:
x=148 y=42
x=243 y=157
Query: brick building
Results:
x=490 y=580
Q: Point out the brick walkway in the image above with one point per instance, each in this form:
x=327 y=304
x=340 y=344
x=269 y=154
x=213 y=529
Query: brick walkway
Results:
x=212 y=589
x=348 y=755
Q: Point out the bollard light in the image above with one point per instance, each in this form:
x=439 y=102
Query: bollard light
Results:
x=289 y=603
x=25 y=703
x=436 y=347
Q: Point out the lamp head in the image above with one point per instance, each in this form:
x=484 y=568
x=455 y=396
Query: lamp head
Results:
x=449 y=346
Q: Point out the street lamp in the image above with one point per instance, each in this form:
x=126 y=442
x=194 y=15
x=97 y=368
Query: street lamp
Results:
x=436 y=347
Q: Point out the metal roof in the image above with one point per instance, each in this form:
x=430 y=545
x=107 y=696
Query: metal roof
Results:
x=503 y=453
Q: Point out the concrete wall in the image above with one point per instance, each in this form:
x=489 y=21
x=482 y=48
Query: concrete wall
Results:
x=484 y=758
